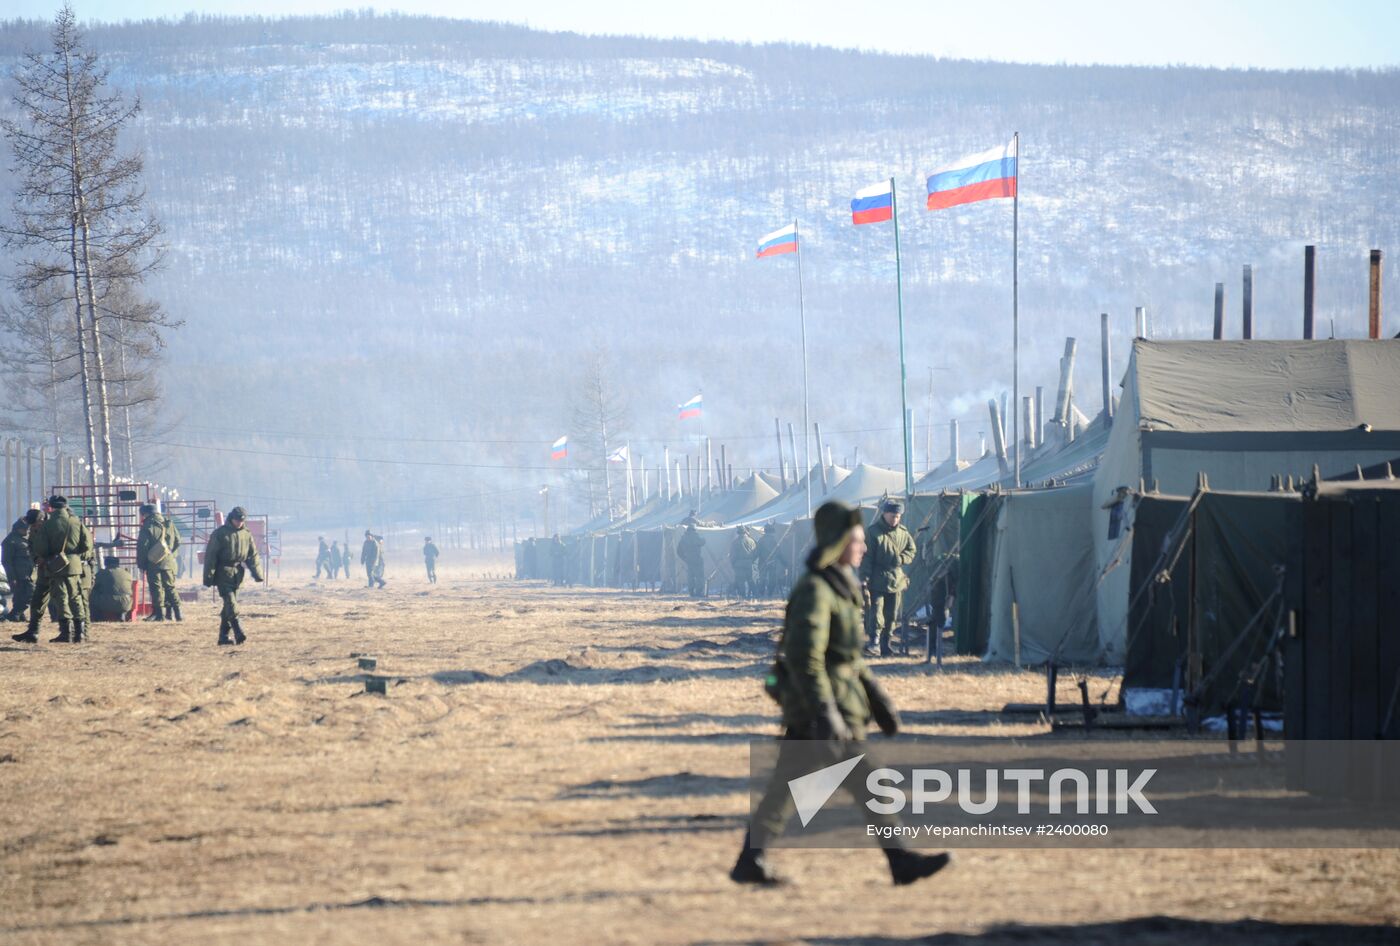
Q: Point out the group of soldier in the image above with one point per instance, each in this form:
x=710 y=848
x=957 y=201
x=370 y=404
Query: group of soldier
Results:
x=332 y=559
x=50 y=563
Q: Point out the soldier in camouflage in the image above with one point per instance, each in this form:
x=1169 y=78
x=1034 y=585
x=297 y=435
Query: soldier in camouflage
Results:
x=826 y=691
x=891 y=547
x=59 y=544
x=155 y=556
x=230 y=552
x=19 y=566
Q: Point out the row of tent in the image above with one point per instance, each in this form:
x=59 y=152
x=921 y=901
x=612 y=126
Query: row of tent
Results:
x=1055 y=572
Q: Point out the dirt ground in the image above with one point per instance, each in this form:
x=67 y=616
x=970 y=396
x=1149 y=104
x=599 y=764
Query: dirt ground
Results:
x=548 y=766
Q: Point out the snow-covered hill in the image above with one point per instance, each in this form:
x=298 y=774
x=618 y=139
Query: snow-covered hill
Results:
x=404 y=227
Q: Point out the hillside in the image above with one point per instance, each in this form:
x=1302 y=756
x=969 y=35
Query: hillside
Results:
x=399 y=227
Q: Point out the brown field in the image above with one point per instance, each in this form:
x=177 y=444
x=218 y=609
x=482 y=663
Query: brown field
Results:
x=547 y=767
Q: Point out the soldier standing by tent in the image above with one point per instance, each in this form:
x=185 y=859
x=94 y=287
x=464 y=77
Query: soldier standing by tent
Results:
x=323 y=558
x=19 y=565
x=112 y=592
x=691 y=550
x=556 y=561
x=230 y=552
x=430 y=557
x=826 y=690
x=58 y=543
x=744 y=561
x=891 y=548
x=770 y=566
x=155 y=556
x=335 y=559
x=372 y=558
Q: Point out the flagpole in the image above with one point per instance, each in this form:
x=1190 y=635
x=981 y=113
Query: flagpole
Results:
x=903 y=379
x=806 y=421
x=1016 y=312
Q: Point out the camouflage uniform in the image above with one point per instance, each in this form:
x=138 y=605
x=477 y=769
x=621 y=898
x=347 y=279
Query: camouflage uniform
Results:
x=19 y=568
x=691 y=550
x=888 y=550
x=743 y=559
x=113 y=593
x=157 y=532
x=372 y=558
x=231 y=550
x=60 y=543
x=828 y=695
x=430 y=557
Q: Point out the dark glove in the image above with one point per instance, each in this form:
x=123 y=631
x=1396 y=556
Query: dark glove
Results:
x=830 y=724
x=881 y=707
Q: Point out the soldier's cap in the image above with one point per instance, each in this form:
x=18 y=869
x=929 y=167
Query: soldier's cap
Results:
x=32 y=516
x=238 y=513
x=892 y=505
x=366 y=533
x=57 y=502
x=111 y=561
x=147 y=509
x=833 y=523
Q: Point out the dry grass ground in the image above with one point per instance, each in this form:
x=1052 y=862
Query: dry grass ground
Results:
x=548 y=767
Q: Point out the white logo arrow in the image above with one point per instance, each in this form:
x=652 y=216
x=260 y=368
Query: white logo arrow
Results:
x=811 y=791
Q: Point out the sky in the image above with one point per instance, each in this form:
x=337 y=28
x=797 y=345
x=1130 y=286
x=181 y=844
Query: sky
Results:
x=1270 y=34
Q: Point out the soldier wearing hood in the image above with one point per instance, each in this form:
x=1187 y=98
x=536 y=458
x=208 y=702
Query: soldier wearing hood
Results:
x=826 y=691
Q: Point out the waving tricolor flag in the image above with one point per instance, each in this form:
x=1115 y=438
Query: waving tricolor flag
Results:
x=691 y=408
x=874 y=204
x=779 y=242
x=559 y=449
x=985 y=176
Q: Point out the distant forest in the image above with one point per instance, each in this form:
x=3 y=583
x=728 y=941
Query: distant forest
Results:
x=394 y=241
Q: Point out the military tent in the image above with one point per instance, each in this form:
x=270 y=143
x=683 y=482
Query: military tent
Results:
x=1241 y=412
x=1041 y=595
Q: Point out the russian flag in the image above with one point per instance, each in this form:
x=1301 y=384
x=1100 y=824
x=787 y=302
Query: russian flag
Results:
x=779 y=242
x=559 y=449
x=985 y=176
x=874 y=204
x=690 y=408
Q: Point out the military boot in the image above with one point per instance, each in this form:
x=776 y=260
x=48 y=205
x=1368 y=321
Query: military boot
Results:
x=752 y=867
x=909 y=866
x=238 y=635
x=31 y=636
x=223 y=633
x=155 y=615
x=169 y=611
x=80 y=631
x=175 y=607
x=65 y=632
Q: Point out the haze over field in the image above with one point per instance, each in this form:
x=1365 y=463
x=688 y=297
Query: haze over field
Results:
x=389 y=231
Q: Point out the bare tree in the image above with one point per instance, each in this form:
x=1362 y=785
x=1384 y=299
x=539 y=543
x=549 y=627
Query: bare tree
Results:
x=600 y=417
x=80 y=206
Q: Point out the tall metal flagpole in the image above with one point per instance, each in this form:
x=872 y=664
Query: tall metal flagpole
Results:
x=1016 y=312
x=806 y=420
x=903 y=378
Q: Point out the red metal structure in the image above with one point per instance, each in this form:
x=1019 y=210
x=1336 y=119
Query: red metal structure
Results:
x=196 y=519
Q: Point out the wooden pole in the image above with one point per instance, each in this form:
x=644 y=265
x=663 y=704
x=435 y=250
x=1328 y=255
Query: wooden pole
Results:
x=821 y=454
x=1140 y=322
x=953 y=452
x=1375 y=294
x=1248 y=328
x=1219 y=311
x=1309 y=288
x=1027 y=422
x=709 y=469
x=724 y=483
